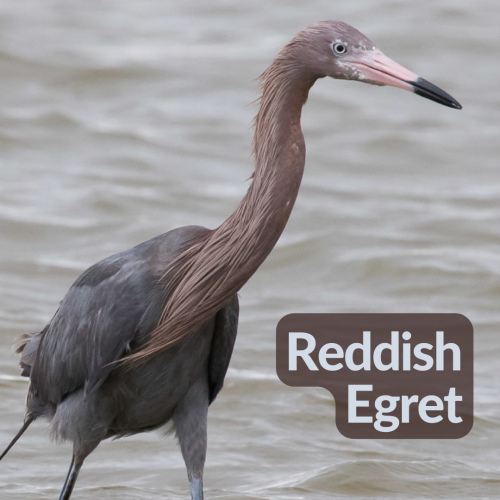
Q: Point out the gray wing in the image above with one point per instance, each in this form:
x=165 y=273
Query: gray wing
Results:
x=111 y=304
x=226 y=327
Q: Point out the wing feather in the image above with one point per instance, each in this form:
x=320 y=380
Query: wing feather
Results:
x=226 y=327
x=110 y=306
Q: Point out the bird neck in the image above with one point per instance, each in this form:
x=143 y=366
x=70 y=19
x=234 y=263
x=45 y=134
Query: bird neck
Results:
x=279 y=151
x=204 y=278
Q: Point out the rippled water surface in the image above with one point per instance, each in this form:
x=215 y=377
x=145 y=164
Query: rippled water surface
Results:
x=121 y=120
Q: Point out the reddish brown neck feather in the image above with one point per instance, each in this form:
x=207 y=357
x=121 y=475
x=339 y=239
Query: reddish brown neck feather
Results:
x=204 y=277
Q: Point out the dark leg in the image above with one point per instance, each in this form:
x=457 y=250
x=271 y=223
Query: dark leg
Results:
x=83 y=419
x=80 y=452
x=26 y=424
x=69 y=472
x=74 y=470
x=190 y=420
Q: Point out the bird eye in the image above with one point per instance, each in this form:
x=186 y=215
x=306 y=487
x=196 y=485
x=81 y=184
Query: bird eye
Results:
x=339 y=48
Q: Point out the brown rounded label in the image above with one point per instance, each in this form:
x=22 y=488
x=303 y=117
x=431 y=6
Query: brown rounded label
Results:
x=393 y=376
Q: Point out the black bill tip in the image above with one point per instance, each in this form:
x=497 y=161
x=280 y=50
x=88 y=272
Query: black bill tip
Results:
x=428 y=90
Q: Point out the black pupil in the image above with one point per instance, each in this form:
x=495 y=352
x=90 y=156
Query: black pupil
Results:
x=340 y=49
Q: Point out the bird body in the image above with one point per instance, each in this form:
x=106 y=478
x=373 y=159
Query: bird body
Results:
x=145 y=336
x=109 y=311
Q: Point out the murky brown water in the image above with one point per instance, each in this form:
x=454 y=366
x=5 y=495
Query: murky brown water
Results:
x=121 y=120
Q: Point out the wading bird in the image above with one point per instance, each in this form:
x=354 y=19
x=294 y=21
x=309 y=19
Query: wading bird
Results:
x=145 y=337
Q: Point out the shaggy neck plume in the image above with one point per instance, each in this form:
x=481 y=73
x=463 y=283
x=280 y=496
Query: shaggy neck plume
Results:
x=279 y=151
x=204 y=277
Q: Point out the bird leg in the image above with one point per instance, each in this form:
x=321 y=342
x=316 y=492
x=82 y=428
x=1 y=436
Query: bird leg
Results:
x=69 y=484
x=196 y=488
x=190 y=420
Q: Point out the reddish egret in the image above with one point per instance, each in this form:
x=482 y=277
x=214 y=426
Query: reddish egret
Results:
x=144 y=337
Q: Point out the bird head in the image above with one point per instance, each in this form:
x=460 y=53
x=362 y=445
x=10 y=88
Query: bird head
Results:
x=337 y=50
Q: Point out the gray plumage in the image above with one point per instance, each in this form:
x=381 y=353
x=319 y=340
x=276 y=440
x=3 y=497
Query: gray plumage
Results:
x=110 y=310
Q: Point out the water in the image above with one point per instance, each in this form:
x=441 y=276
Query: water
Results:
x=121 y=120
